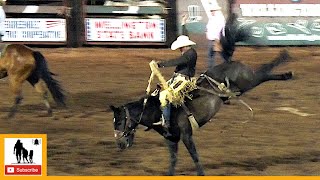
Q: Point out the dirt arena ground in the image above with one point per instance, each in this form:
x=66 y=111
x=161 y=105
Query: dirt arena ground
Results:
x=283 y=138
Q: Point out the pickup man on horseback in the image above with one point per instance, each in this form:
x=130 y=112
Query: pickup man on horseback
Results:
x=185 y=69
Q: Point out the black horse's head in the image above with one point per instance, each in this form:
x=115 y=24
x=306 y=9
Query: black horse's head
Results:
x=127 y=117
x=124 y=127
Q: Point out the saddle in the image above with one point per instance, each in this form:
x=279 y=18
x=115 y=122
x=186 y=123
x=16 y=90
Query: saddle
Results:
x=190 y=94
x=180 y=89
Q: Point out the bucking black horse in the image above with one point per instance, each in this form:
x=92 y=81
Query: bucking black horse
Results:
x=206 y=101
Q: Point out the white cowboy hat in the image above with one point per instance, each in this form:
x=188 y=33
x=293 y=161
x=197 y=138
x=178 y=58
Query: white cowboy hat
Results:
x=182 y=41
x=214 y=7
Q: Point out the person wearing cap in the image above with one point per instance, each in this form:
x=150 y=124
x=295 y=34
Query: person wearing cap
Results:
x=185 y=69
x=2 y=19
x=214 y=27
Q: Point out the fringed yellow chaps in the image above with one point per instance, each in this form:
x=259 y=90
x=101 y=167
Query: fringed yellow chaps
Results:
x=178 y=88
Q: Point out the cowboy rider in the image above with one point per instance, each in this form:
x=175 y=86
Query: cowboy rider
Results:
x=185 y=69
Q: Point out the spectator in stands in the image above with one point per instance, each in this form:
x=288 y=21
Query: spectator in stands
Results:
x=215 y=26
x=2 y=19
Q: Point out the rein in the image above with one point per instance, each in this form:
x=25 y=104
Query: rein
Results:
x=154 y=72
x=221 y=90
x=127 y=126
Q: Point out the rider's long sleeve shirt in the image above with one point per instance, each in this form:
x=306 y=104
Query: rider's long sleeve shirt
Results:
x=185 y=64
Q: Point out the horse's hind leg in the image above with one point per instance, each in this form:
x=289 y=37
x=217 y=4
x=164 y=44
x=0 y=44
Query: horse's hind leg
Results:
x=277 y=77
x=173 y=149
x=42 y=90
x=188 y=142
x=263 y=77
x=284 y=76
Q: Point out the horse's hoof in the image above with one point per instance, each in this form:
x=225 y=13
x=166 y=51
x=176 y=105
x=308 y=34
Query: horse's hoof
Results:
x=11 y=115
x=289 y=75
x=292 y=74
x=170 y=174
x=50 y=112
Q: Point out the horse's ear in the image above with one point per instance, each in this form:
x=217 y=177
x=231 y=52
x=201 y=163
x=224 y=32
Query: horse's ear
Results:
x=113 y=108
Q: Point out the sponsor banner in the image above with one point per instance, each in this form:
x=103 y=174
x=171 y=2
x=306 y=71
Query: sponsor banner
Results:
x=133 y=30
x=27 y=29
x=288 y=22
x=237 y=2
x=24 y=154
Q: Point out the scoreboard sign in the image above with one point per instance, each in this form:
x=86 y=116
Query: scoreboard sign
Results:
x=35 y=30
x=286 y=22
x=125 y=30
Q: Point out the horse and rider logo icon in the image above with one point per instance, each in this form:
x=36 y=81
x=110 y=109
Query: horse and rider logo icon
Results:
x=23 y=156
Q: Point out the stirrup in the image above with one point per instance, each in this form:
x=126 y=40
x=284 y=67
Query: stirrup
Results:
x=157 y=123
x=193 y=122
x=160 y=122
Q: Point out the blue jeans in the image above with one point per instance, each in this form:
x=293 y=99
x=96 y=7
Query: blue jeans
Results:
x=166 y=112
x=212 y=55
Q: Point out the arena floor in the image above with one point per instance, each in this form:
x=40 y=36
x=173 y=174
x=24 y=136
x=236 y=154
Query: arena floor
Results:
x=282 y=138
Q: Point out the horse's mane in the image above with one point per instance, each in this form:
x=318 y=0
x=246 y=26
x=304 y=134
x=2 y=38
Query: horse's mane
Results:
x=135 y=103
x=152 y=100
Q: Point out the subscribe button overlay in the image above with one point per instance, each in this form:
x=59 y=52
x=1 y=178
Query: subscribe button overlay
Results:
x=23 y=170
x=24 y=154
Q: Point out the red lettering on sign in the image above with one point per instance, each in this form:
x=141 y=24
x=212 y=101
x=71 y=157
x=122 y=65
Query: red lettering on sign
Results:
x=129 y=25
x=102 y=24
x=151 y=25
x=141 y=35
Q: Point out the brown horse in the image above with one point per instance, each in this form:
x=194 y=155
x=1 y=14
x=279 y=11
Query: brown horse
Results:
x=21 y=63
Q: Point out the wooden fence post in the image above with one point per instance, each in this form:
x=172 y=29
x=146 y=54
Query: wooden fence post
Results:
x=75 y=23
x=171 y=22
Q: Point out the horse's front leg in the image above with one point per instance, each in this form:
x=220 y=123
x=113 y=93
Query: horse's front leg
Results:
x=16 y=88
x=188 y=142
x=173 y=150
x=17 y=101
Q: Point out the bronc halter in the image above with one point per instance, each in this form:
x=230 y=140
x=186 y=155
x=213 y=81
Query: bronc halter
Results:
x=129 y=126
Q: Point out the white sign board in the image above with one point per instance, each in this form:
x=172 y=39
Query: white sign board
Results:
x=27 y=29
x=133 y=30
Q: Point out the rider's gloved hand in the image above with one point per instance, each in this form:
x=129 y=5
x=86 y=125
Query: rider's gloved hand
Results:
x=184 y=19
x=158 y=64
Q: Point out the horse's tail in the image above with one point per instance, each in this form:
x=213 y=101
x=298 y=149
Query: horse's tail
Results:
x=53 y=85
x=282 y=58
x=232 y=33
